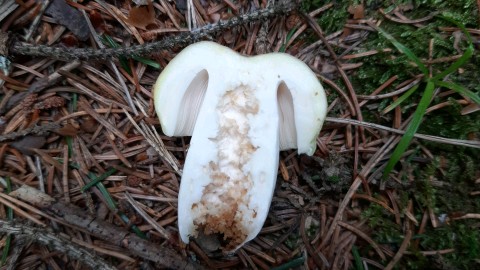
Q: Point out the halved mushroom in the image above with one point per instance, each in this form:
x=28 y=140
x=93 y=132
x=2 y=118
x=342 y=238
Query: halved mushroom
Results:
x=240 y=111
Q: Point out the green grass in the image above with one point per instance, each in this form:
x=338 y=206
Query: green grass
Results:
x=451 y=199
x=108 y=40
x=431 y=82
x=455 y=167
x=112 y=205
x=8 y=241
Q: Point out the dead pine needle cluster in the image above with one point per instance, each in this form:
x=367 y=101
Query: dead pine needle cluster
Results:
x=88 y=179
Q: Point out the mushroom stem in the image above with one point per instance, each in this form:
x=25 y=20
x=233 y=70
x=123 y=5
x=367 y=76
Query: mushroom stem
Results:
x=239 y=174
x=240 y=112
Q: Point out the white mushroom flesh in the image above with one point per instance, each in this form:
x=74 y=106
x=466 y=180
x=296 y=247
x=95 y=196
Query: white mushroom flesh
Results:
x=240 y=112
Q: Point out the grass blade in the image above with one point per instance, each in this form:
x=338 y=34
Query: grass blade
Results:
x=6 y=249
x=147 y=62
x=74 y=102
x=109 y=200
x=9 y=189
x=113 y=206
x=402 y=48
x=460 y=25
x=96 y=180
x=460 y=62
x=400 y=99
x=291 y=264
x=357 y=259
x=287 y=39
x=411 y=129
x=69 y=141
x=466 y=55
x=8 y=241
x=460 y=89
x=122 y=59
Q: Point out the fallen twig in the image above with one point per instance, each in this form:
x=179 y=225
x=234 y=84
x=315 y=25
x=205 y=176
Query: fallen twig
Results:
x=401 y=250
x=59 y=243
x=182 y=39
x=38 y=130
x=467 y=143
x=76 y=217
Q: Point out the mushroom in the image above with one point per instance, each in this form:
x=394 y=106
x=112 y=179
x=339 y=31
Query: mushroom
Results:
x=240 y=111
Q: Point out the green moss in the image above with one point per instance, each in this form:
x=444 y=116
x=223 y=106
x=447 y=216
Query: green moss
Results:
x=334 y=18
x=460 y=176
x=456 y=168
x=333 y=179
x=425 y=195
x=379 y=68
x=464 y=11
x=449 y=123
x=385 y=230
x=459 y=236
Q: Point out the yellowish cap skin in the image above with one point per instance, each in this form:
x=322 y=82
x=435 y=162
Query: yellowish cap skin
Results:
x=240 y=111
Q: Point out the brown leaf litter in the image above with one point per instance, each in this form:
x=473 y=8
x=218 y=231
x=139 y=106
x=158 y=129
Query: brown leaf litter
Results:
x=67 y=124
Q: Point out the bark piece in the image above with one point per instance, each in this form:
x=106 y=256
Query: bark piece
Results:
x=77 y=217
x=69 y=17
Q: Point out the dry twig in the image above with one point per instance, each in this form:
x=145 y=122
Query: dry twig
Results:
x=181 y=39
x=75 y=217
x=57 y=242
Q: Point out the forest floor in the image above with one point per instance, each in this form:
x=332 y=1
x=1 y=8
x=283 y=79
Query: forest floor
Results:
x=87 y=177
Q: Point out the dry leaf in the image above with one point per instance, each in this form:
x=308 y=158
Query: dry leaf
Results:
x=26 y=143
x=69 y=17
x=292 y=21
x=470 y=109
x=214 y=18
x=67 y=130
x=51 y=102
x=88 y=124
x=142 y=16
x=358 y=11
x=229 y=37
x=70 y=40
x=32 y=195
x=96 y=19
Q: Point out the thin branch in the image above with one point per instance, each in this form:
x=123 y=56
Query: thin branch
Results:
x=401 y=250
x=59 y=243
x=467 y=143
x=75 y=217
x=145 y=216
x=36 y=21
x=38 y=130
x=21 y=243
x=182 y=39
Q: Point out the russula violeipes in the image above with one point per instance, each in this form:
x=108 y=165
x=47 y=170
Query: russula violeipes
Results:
x=240 y=111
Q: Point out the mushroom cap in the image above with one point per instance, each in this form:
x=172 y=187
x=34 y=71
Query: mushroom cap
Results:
x=180 y=90
x=240 y=111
